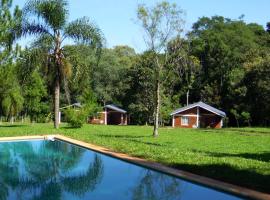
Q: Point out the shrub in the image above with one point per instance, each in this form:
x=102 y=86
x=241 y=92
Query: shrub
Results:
x=75 y=118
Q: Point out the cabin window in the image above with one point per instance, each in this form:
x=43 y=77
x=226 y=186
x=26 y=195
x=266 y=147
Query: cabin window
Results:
x=184 y=120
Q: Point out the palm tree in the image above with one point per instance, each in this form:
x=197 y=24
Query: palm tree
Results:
x=47 y=21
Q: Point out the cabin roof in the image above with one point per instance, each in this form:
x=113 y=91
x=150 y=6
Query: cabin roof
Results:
x=116 y=108
x=78 y=105
x=201 y=105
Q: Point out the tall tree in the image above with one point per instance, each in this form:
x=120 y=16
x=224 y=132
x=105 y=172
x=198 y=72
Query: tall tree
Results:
x=141 y=89
x=84 y=62
x=32 y=80
x=34 y=92
x=109 y=77
x=257 y=81
x=47 y=20
x=160 y=23
x=183 y=63
x=11 y=99
x=227 y=50
x=10 y=92
x=8 y=21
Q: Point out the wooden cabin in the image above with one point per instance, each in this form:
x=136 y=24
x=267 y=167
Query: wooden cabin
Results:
x=111 y=115
x=198 y=115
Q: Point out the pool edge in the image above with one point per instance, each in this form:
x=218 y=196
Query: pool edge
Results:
x=227 y=187
x=216 y=184
x=22 y=138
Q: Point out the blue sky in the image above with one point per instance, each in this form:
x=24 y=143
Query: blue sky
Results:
x=116 y=17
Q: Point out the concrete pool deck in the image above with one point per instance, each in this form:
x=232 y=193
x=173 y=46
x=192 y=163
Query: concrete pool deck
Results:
x=208 y=182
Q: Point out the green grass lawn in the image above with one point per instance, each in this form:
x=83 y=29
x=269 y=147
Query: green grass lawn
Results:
x=239 y=156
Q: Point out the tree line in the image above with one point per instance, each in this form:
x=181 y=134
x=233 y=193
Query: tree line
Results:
x=223 y=62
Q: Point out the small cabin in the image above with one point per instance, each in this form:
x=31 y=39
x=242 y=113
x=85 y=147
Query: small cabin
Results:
x=198 y=115
x=111 y=115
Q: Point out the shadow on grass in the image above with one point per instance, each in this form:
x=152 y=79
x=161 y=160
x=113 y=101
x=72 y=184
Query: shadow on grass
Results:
x=229 y=174
x=132 y=138
x=121 y=136
x=249 y=131
x=239 y=132
x=263 y=156
x=147 y=143
x=13 y=126
x=69 y=127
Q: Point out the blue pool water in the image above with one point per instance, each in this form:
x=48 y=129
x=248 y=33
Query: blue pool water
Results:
x=59 y=170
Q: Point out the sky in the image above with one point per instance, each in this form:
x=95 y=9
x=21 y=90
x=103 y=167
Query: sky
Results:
x=117 y=18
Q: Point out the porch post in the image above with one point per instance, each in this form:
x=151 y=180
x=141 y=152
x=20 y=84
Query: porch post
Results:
x=59 y=114
x=173 y=121
x=198 y=116
x=105 y=116
x=221 y=123
x=122 y=119
x=125 y=118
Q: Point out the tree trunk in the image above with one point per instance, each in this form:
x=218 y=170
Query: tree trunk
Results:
x=56 y=102
x=237 y=122
x=187 y=97
x=157 y=97
x=157 y=107
x=58 y=63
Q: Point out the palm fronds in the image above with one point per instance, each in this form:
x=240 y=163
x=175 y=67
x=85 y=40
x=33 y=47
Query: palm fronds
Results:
x=85 y=32
x=53 y=12
x=33 y=28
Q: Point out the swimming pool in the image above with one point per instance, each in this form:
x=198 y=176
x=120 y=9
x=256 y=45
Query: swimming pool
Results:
x=44 y=169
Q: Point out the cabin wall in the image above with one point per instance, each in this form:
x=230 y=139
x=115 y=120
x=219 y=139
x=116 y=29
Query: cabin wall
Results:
x=113 y=118
x=206 y=119
x=192 y=122
x=99 y=119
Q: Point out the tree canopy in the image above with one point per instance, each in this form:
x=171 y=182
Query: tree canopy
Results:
x=220 y=61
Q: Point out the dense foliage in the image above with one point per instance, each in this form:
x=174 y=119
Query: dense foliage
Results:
x=221 y=61
x=75 y=118
x=11 y=99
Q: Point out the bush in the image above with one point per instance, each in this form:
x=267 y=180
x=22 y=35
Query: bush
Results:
x=75 y=118
x=40 y=118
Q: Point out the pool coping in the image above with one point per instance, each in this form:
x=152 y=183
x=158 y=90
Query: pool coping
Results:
x=212 y=183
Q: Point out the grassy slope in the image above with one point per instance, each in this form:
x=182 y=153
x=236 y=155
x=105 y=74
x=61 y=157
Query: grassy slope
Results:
x=239 y=156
